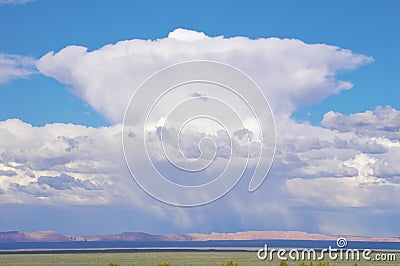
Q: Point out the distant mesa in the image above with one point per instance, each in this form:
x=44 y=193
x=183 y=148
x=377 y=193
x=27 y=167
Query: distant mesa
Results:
x=39 y=236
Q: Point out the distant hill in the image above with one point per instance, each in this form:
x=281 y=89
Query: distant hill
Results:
x=39 y=236
x=51 y=236
x=132 y=236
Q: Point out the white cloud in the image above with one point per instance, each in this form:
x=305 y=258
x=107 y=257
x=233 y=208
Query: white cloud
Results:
x=60 y=164
x=14 y=2
x=15 y=66
x=383 y=121
x=290 y=72
x=71 y=165
x=365 y=171
x=349 y=162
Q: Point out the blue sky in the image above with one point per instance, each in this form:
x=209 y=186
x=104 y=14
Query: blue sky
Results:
x=327 y=163
x=367 y=27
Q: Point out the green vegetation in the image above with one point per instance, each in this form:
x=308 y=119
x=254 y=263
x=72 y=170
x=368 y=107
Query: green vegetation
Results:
x=201 y=258
x=113 y=264
x=283 y=263
x=164 y=264
x=229 y=263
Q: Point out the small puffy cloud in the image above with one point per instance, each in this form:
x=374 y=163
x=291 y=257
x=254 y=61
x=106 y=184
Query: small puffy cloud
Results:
x=15 y=66
x=290 y=72
x=383 y=121
x=14 y=2
x=64 y=181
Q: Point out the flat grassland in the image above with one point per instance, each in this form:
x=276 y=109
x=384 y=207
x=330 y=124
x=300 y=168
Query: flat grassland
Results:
x=153 y=258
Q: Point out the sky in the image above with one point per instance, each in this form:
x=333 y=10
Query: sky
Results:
x=329 y=71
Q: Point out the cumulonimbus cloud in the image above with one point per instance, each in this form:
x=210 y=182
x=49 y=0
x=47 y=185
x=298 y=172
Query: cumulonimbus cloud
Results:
x=290 y=72
x=338 y=164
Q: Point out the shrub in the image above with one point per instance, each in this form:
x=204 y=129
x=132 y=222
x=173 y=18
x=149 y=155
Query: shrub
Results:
x=283 y=263
x=113 y=264
x=229 y=263
x=164 y=264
